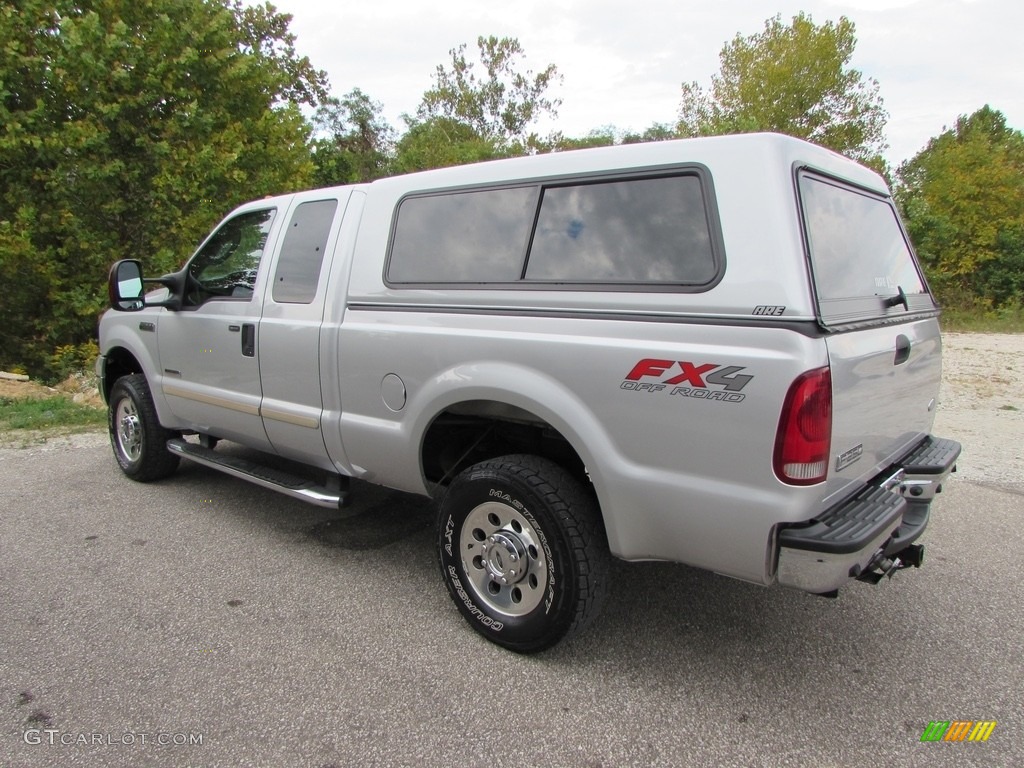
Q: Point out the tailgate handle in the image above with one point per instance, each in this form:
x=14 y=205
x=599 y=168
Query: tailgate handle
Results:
x=902 y=350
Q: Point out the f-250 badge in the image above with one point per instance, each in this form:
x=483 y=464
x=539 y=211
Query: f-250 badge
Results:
x=705 y=381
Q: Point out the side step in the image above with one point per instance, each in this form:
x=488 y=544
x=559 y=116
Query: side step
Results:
x=267 y=477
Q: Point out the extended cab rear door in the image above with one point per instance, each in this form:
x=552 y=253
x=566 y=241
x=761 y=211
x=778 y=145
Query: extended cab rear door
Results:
x=290 y=337
x=882 y=331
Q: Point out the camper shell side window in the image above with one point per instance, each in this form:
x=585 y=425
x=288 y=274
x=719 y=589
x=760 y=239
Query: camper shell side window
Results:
x=630 y=233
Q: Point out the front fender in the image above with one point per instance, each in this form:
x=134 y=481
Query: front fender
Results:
x=122 y=334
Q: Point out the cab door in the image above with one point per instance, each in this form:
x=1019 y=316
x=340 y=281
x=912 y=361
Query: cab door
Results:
x=291 y=328
x=209 y=348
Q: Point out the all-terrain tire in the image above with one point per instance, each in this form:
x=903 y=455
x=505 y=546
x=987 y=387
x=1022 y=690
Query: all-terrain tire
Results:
x=138 y=439
x=523 y=552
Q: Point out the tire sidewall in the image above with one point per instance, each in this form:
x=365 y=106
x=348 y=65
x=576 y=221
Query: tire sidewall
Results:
x=154 y=461
x=123 y=390
x=551 y=619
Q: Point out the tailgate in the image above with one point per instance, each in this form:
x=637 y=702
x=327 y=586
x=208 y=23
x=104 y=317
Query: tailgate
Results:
x=883 y=343
x=885 y=381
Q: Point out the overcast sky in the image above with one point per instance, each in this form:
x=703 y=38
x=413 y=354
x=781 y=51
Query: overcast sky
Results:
x=623 y=62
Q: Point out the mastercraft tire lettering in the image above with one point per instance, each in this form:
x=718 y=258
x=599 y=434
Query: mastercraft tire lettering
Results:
x=523 y=553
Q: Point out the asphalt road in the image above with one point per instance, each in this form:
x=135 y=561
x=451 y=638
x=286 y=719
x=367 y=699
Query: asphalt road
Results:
x=134 y=618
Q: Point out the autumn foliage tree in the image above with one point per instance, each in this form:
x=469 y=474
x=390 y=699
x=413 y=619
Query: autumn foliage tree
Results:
x=962 y=198
x=127 y=127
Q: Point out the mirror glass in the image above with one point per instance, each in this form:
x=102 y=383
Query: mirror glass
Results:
x=129 y=280
x=125 y=286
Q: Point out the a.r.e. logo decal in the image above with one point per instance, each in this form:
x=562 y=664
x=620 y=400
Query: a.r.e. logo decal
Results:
x=681 y=378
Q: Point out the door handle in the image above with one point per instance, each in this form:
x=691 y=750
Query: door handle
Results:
x=902 y=350
x=248 y=340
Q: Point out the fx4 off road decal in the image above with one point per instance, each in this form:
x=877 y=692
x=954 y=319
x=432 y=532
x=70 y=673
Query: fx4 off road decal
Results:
x=680 y=378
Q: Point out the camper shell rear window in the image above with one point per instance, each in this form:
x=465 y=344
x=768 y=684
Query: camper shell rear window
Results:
x=860 y=256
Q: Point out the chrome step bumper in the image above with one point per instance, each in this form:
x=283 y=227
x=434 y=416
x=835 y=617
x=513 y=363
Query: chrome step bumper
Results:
x=864 y=537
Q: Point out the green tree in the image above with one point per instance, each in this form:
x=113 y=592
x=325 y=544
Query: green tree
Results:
x=357 y=142
x=608 y=135
x=962 y=198
x=605 y=136
x=440 y=142
x=793 y=79
x=656 y=132
x=128 y=128
x=502 y=104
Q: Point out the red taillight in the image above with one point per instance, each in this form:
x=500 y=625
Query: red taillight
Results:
x=804 y=438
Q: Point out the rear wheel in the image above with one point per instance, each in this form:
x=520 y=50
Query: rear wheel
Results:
x=138 y=439
x=523 y=553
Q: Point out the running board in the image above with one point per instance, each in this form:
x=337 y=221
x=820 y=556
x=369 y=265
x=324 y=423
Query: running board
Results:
x=262 y=475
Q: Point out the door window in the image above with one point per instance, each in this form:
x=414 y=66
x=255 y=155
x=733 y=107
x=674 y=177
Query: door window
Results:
x=302 y=253
x=227 y=264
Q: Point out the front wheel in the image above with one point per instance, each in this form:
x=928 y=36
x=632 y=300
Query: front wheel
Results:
x=523 y=553
x=138 y=439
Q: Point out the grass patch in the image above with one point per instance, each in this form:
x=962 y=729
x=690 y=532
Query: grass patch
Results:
x=998 y=321
x=51 y=413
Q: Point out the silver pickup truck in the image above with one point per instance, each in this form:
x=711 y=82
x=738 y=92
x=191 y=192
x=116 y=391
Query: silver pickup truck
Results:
x=719 y=352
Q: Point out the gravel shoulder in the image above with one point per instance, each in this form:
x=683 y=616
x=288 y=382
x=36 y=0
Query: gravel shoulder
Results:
x=981 y=404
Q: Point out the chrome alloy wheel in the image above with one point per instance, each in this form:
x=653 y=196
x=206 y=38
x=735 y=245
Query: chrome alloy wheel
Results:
x=128 y=430
x=504 y=559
